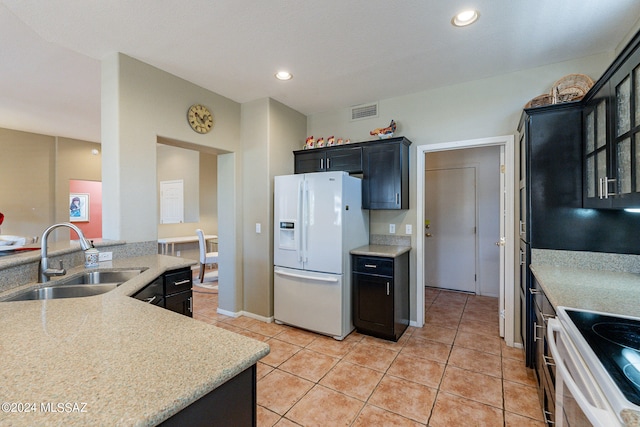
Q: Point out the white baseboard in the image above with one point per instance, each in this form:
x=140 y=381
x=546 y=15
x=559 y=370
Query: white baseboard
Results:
x=245 y=313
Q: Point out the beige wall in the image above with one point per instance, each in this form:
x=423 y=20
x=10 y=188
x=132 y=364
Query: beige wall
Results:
x=34 y=174
x=140 y=104
x=483 y=108
x=198 y=170
x=270 y=132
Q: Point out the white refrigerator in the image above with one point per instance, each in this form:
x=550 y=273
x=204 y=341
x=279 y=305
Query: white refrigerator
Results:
x=318 y=219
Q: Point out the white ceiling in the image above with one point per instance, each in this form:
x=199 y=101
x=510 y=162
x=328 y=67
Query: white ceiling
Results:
x=341 y=52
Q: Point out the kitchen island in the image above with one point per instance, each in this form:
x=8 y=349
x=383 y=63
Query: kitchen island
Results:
x=111 y=359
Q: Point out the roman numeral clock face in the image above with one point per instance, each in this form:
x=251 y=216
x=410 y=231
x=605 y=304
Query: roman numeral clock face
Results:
x=200 y=118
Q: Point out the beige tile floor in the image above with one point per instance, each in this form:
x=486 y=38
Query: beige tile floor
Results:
x=455 y=371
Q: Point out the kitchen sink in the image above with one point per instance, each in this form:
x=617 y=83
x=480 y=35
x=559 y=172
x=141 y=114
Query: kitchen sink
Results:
x=100 y=277
x=82 y=285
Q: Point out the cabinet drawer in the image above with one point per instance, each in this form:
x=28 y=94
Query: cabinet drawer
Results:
x=373 y=265
x=178 y=281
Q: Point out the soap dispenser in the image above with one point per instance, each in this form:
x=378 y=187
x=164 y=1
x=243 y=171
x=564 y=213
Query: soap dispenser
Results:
x=91 y=256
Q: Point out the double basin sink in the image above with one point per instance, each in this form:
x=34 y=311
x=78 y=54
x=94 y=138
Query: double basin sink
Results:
x=81 y=285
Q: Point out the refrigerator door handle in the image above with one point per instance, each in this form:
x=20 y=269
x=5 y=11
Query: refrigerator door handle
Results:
x=305 y=220
x=302 y=276
x=300 y=218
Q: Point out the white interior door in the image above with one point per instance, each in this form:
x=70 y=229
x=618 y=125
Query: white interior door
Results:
x=450 y=229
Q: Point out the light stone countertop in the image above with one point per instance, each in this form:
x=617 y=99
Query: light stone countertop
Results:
x=605 y=291
x=130 y=362
x=598 y=290
x=387 y=251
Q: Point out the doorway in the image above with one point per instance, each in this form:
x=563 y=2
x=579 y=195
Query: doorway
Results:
x=505 y=239
x=450 y=255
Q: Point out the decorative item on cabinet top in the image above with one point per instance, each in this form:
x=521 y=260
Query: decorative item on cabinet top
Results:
x=385 y=132
x=572 y=87
x=311 y=142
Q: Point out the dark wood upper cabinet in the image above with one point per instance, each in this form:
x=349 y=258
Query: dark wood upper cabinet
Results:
x=611 y=143
x=385 y=175
x=383 y=163
x=329 y=159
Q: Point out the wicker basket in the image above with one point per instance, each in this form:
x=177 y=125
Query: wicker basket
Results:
x=539 y=101
x=571 y=87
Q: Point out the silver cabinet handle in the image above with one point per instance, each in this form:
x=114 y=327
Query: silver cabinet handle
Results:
x=397 y=198
x=548 y=417
x=371 y=266
x=182 y=282
x=190 y=304
x=387 y=288
x=328 y=163
x=534 y=291
x=535 y=333
x=522 y=257
x=150 y=300
x=603 y=187
x=321 y=163
x=548 y=360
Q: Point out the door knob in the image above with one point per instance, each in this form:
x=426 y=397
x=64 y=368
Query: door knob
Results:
x=429 y=235
x=501 y=242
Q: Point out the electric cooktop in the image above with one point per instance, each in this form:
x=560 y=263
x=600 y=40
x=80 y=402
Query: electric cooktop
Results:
x=616 y=343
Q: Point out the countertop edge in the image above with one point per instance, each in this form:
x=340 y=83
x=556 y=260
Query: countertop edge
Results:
x=386 y=251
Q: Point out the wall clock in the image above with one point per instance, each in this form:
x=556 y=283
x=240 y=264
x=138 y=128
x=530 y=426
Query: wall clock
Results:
x=200 y=118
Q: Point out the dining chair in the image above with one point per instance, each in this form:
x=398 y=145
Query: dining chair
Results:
x=205 y=257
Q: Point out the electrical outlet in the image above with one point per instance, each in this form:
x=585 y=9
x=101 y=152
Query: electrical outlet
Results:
x=407 y=229
x=177 y=253
x=392 y=229
x=105 y=256
x=258 y=228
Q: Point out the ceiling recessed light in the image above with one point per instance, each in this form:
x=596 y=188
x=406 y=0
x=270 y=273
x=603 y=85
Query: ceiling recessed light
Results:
x=465 y=18
x=284 y=75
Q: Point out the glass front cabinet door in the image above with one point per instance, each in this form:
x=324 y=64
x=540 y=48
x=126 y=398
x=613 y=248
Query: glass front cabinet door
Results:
x=612 y=141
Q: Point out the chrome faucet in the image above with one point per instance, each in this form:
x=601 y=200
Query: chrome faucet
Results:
x=45 y=271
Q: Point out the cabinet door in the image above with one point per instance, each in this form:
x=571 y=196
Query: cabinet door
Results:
x=344 y=159
x=373 y=304
x=180 y=303
x=625 y=133
x=383 y=183
x=597 y=169
x=309 y=161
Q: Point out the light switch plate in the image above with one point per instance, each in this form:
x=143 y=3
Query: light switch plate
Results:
x=392 y=228
x=408 y=229
x=258 y=228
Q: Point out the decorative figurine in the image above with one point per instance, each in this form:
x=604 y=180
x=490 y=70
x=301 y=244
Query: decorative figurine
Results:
x=331 y=141
x=384 y=132
x=320 y=142
x=310 y=143
x=340 y=141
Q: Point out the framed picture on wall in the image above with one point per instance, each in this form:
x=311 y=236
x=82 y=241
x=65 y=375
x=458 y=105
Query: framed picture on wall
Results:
x=78 y=207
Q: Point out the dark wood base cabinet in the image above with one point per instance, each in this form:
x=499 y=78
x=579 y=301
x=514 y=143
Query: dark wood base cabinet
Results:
x=231 y=404
x=171 y=291
x=381 y=295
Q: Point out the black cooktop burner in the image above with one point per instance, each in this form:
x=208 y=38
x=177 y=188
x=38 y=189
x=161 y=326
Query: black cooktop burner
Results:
x=616 y=343
x=622 y=333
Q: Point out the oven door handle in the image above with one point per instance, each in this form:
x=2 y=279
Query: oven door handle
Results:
x=597 y=416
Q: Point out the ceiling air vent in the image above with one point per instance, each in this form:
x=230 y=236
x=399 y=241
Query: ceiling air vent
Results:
x=364 y=111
